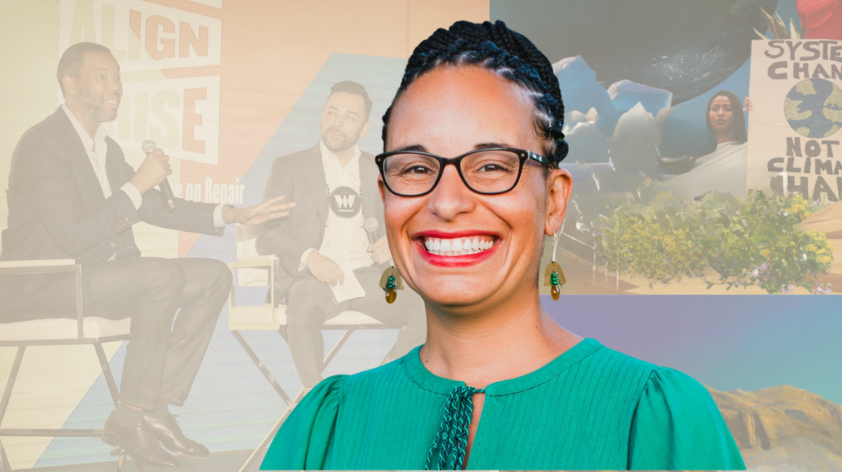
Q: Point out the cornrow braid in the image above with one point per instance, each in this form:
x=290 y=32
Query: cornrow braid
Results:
x=507 y=53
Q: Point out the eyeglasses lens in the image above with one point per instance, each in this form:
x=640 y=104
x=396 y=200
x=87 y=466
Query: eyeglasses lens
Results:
x=491 y=171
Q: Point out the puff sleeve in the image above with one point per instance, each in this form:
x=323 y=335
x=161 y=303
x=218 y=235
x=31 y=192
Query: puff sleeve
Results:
x=304 y=438
x=677 y=425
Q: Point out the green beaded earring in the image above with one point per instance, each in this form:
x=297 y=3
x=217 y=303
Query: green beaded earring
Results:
x=553 y=275
x=391 y=281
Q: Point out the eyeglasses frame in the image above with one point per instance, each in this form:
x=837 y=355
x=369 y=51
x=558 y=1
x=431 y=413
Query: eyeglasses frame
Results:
x=524 y=155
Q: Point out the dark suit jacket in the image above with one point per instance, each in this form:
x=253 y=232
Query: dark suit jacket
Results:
x=300 y=178
x=57 y=211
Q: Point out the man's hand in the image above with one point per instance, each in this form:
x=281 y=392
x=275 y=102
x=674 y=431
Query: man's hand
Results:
x=380 y=250
x=254 y=215
x=324 y=269
x=154 y=169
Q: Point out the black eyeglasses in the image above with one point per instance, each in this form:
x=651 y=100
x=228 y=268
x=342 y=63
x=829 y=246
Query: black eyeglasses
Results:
x=489 y=171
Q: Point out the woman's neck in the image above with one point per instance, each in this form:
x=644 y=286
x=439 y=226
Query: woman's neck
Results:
x=508 y=341
x=723 y=136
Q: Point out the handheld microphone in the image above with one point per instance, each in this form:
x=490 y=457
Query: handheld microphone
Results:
x=167 y=196
x=371 y=225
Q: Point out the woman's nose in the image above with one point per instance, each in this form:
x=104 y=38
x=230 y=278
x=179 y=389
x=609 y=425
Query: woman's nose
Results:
x=450 y=197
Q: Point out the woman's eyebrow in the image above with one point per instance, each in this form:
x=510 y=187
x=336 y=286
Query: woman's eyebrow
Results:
x=421 y=148
x=492 y=145
x=412 y=147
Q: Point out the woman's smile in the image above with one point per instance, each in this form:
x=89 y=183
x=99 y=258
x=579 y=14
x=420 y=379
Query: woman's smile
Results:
x=456 y=249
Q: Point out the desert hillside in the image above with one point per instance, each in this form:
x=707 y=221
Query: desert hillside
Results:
x=784 y=427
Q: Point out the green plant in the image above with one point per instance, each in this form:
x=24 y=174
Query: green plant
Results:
x=748 y=242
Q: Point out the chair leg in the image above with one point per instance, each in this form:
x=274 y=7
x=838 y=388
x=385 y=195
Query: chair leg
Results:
x=122 y=456
x=262 y=367
x=389 y=355
x=336 y=348
x=106 y=372
x=269 y=437
x=7 y=395
x=10 y=383
x=121 y=460
x=5 y=459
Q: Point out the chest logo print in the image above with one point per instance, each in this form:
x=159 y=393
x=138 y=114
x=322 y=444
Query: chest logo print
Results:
x=345 y=202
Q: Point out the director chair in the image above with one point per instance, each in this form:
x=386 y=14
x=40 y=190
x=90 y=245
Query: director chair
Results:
x=254 y=270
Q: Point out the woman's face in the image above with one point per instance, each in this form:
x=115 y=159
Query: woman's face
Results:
x=448 y=112
x=721 y=114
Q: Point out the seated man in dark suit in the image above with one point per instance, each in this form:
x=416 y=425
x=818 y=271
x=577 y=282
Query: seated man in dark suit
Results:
x=323 y=246
x=73 y=196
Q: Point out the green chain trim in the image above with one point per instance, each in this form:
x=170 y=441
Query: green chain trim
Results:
x=451 y=440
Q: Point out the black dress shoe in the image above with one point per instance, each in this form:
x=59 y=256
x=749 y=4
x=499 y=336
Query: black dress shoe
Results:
x=139 y=441
x=169 y=434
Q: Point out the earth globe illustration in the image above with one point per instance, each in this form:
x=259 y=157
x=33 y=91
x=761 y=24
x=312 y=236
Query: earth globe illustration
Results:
x=814 y=108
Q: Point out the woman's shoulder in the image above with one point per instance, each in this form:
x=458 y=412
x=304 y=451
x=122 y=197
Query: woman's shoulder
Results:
x=304 y=439
x=640 y=376
x=371 y=379
x=675 y=424
x=338 y=387
x=604 y=361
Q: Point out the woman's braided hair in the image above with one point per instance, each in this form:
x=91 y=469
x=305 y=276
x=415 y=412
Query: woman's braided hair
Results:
x=507 y=53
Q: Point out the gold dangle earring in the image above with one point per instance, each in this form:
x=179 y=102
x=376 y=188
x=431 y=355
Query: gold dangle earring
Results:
x=391 y=281
x=553 y=275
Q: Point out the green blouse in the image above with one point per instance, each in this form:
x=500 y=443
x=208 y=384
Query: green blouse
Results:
x=590 y=408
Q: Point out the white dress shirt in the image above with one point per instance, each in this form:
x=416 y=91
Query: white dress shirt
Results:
x=97 y=149
x=345 y=240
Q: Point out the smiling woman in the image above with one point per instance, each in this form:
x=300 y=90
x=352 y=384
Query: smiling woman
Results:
x=471 y=186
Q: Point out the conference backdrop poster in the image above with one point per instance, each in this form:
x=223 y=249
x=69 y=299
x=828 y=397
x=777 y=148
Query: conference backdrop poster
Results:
x=659 y=207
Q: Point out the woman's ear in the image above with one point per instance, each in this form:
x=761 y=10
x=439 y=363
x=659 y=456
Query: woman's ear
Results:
x=559 y=184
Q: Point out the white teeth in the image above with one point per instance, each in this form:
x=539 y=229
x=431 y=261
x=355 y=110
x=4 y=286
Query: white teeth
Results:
x=458 y=247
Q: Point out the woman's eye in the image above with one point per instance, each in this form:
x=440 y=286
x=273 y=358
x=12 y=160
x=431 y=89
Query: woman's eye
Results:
x=496 y=167
x=417 y=169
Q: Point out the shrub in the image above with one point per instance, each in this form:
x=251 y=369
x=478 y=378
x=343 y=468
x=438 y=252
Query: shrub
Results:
x=748 y=242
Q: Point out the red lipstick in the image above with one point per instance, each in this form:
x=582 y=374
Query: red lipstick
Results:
x=454 y=261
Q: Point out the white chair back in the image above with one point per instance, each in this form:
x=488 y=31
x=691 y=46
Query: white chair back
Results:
x=246 y=238
x=4 y=215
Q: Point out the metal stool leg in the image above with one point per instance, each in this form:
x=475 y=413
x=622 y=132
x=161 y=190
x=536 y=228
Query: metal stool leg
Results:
x=106 y=372
x=262 y=367
x=271 y=435
x=10 y=383
x=7 y=395
x=122 y=455
x=121 y=460
x=6 y=464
